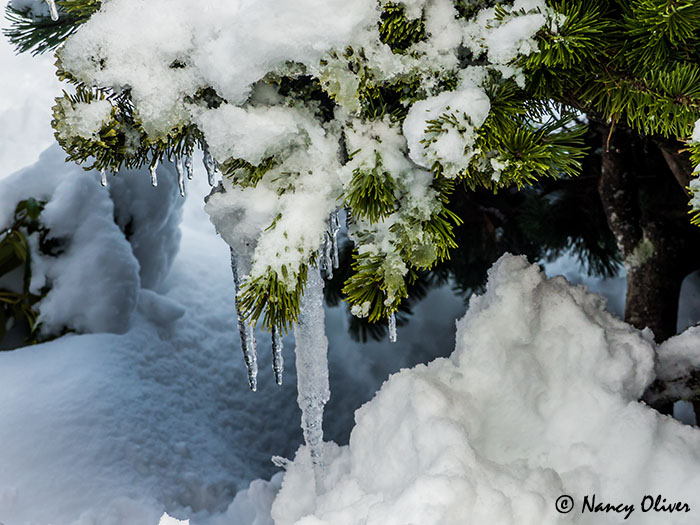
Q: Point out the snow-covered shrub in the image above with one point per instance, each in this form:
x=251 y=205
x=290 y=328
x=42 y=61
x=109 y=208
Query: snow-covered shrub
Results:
x=16 y=300
x=107 y=245
x=346 y=99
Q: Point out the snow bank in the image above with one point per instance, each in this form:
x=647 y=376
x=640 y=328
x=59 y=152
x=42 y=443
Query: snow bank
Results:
x=111 y=242
x=538 y=400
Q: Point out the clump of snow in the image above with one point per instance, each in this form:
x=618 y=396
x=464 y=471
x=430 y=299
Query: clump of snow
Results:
x=538 y=400
x=228 y=46
x=694 y=187
x=282 y=221
x=695 y=137
x=443 y=128
x=250 y=134
x=679 y=363
x=96 y=256
x=84 y=119
x=505 y=38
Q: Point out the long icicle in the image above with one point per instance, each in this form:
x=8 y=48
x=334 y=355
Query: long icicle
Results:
x=154 y=175
x=180 y=176
x=312 y=369
x=188 y=166
x=277 y=357
x=250 y=354
x=392 y=327
x=53 y=10
x=327 y=252
x=209 y=165
x=335 y=228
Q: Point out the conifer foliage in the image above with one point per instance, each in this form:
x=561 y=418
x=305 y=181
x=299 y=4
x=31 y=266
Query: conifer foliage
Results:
x=381 y=114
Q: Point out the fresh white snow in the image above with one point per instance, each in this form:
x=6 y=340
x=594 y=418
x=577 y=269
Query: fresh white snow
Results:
x=538 y=400
x=118 y=429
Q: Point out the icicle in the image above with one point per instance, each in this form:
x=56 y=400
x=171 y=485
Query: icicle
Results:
x=312 y=369
x=103 y=177
x=335 y=228
x=329 y=249
x=188 y=167
x=154 y=176
x=326 y=253
x=180 y=176
x=52 y=8
x=392 y=327
x=245 y=330
x=209 y=165
x=277 y=358
x=279 y=461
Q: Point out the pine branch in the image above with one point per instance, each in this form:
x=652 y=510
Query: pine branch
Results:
x=41 y=34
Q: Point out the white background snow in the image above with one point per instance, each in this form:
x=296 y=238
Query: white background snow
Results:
x=116 y=429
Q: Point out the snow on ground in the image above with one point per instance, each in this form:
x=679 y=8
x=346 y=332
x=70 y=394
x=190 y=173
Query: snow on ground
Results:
x=116 y=429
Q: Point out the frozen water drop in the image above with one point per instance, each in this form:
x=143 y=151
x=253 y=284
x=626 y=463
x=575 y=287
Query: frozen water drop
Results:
x=180 y=176
x=334 y=228
x=327 y=253
x=277 y=358
x=188 y=167
x=154 y=175
x=210 y=165
x=52 y=8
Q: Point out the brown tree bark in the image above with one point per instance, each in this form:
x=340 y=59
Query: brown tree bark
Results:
x=641 y=188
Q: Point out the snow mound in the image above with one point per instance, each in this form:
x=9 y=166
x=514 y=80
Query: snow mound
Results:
x=538 y=400
x=251 y=506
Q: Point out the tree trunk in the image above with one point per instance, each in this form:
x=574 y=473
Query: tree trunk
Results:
x=645 y=204
x=654 y=278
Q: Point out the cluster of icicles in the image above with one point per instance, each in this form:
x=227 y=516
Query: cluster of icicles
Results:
x=182 y=165
x=329 y=261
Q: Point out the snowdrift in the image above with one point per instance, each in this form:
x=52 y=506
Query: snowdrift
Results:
x=538 y=401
